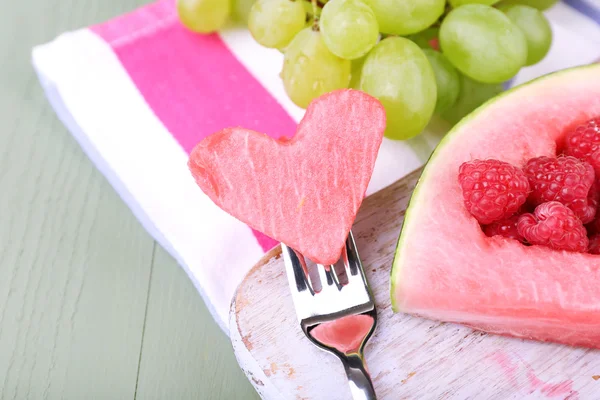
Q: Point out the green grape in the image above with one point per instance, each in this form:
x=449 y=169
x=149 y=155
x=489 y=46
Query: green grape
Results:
x=397 y=73
x=535 y=27
x=427 y=39
x=472 y=95
x=274 y=23
x=240 y=10
x=539 y=4
x=446 y=79
x=403 y=17
x=458 y=3
x=349 y=28
x=482 y=43
x=310 y=69
x=355 y=72
x=203 y=16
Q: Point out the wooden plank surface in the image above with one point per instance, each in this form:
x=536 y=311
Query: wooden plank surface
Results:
x=75 y=265
x=408 y=357
x=72 y=293
x=195 y=363
x=74 y=262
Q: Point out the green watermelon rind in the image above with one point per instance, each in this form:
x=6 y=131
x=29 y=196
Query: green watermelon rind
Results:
x=455 y=132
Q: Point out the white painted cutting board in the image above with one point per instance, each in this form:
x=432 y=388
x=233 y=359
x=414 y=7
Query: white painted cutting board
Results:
x=409 y=357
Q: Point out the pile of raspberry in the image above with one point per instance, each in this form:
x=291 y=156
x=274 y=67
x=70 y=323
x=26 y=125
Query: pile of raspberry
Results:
x=550 y=201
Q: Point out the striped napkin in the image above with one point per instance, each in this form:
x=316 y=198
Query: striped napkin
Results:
x=139 y=91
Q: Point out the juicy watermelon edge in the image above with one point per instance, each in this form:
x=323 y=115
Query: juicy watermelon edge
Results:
x=455 y=131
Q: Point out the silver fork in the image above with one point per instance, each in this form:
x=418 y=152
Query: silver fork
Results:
x=335 y=299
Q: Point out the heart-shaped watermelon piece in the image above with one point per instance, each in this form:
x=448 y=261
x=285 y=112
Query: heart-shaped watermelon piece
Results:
x=447 y=269
x=304 y=191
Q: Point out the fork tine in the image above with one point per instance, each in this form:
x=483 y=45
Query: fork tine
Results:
x=326 y=275
x=314 y=294
x=340 y=272
x=334 y=275
x=352 y=262
x=322 y=276
x=296 y=269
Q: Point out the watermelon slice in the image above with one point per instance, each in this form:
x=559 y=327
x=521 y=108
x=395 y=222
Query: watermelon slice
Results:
x=447 y=269
x=304 y=191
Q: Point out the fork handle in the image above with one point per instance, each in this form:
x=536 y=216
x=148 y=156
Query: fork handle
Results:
x=360 y=382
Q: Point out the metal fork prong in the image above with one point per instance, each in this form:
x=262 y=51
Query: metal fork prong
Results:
x=352 y=261
x=296 y=266
x=323 y=276
x=326 y=274
x=334 y=275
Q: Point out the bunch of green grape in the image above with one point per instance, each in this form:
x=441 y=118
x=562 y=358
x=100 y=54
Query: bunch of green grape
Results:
x=418 y=57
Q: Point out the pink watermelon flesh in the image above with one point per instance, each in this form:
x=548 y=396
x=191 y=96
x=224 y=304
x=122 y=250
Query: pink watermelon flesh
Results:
x=345 y=334
x=447 y=269
x=304 y=191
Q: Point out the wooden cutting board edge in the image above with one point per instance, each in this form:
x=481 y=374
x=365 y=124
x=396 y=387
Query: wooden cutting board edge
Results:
x=241 y=344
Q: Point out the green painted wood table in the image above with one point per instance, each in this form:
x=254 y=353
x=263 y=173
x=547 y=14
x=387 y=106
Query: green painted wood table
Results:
x=90 y=306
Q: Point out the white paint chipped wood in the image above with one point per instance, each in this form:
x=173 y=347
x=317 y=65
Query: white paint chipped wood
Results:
x=409 y=357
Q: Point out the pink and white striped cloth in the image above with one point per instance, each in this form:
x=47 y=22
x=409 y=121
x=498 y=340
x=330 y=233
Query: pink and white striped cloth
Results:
x=138 y=92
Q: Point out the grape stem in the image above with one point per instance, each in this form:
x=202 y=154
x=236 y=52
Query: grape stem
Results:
x=315 y=26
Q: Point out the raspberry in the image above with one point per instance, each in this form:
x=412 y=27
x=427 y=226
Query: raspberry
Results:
x=594 y=247
x=586 y=208
x=594 y=160
x=492 y=190
x=583 y=142
x=554 y=225
x=506 y=228
x=564 y=179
